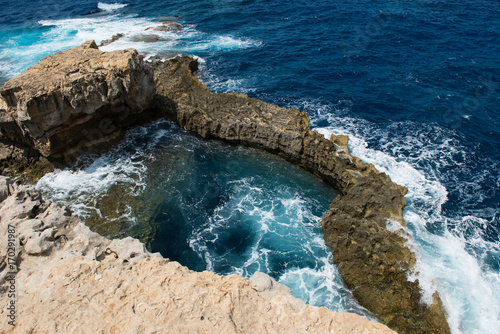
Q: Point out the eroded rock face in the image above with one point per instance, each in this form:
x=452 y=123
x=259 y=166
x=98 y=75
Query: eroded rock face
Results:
x=23 y=162
x=75 y=98
x=69 y=279
x=373 y=260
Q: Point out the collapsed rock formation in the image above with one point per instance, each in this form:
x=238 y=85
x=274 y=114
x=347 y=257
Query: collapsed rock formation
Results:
x=83 y=96
x=66 y=278
x=373 y=260
x=75 y=98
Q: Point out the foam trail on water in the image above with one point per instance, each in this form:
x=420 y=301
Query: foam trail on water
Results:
x=449 y=261
x=75 y=188
x=220 y=84
x=284 y=241
x=257 y=222
x=81 y=189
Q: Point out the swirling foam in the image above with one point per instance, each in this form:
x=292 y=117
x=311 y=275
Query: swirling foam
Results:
x=279 y=222
x=147 y=35
x=450 y=261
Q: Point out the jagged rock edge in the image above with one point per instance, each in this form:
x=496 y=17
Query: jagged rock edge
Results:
x=69 y=278
x=380 y=268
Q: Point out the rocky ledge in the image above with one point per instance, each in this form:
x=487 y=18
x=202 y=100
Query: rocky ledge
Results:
x=363 y=227
x=63 y=277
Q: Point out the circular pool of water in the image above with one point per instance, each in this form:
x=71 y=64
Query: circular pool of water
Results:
x=210 y=206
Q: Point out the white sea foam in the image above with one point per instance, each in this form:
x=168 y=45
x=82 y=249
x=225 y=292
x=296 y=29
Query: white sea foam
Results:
x=108 y=7
x=281 y=223
x=448 y=261
x=219 y=84
x=279 y=219
x=143 y=34
x=322 y=286
x=82 y=189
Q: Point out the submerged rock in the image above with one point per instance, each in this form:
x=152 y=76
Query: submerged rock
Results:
x=74 y=99
x=113 y=39
x=146 y=38
x=167 y=26
x=67 y=278
x=374 y=261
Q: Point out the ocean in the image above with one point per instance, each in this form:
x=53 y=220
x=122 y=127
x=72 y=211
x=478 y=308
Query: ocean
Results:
x=415 y=85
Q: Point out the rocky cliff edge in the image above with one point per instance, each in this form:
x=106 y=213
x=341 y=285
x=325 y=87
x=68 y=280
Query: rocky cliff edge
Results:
x=62 y=277
x=75 y=98
x=373 y=257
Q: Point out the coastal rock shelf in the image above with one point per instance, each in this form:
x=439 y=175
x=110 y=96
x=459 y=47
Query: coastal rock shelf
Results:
x=73 y=280
x=363 y=227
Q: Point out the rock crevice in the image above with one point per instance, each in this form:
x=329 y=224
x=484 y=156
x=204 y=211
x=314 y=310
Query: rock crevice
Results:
x=82 y=97
x=75 y=98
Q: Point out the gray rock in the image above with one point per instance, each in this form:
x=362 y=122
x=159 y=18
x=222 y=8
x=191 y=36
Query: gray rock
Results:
x=5 y=187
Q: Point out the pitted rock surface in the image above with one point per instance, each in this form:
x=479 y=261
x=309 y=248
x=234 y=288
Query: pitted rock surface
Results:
x=75 y=98
x=81 y=97
x=69 y=279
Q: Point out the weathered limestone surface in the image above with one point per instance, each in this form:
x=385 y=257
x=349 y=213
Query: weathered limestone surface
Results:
x=72 y=280
x=373 y=260
x=75 y=98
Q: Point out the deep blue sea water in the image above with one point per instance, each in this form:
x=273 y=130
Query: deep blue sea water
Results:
x=415 y=84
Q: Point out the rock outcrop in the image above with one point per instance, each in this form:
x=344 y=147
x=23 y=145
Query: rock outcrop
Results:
x=373 y=260
x=64 y=278
x=74 y=99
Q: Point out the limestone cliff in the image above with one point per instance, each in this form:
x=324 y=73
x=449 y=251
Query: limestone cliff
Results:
x=75 y=98
x=82 y=96
x=69 y=279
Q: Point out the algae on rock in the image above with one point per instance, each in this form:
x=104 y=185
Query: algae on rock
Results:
x=56 y=103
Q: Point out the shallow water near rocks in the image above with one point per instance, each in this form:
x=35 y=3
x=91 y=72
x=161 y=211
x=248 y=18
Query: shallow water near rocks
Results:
x=210 y=206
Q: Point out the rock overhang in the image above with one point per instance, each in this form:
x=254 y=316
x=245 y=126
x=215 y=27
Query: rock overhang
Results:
x=75 y=98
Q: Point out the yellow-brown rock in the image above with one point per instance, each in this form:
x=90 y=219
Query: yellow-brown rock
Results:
x=69 y=279
x=75 y=98
x=62 y=105
x=373 y=260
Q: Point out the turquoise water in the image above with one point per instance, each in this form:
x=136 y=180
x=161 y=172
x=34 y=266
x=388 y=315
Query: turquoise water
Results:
x=415 y=84
x=210 y=206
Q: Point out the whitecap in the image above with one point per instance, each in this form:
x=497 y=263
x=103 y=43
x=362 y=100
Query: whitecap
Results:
x=109 y=7
x=139 y=33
